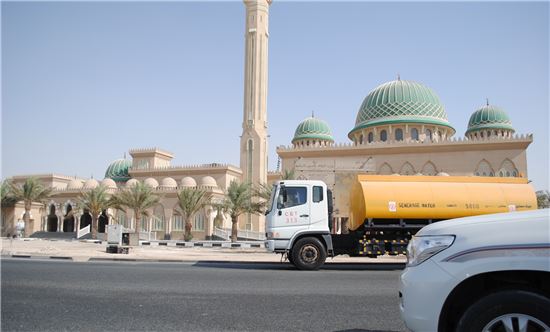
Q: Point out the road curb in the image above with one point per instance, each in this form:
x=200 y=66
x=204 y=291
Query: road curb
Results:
x=328 y=264
x=39 y=257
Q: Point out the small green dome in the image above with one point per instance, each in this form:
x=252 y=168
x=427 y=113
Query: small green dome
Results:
x=313 y=128
x=118 y=170
x=401 y=102
x=489 y=117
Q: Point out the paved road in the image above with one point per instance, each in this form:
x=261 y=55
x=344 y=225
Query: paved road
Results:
x=92 y=296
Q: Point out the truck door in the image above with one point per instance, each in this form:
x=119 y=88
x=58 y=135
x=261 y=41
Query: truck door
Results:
x=319 y=213
x=293 y=208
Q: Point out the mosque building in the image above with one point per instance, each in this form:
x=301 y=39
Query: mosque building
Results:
x=401 y=128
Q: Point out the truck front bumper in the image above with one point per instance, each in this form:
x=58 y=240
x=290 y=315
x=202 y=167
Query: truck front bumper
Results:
x=274 y=245
x=269 y=245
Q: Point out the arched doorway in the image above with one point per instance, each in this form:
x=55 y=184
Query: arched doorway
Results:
x=86 y=219
x=52 y=220
x=68 y=221
x=103 y=221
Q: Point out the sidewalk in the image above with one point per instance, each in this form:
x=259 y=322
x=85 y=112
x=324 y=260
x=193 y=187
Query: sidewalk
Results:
x=83 y=251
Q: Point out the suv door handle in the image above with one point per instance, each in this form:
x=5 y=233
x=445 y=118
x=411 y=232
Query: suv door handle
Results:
x=304 y=215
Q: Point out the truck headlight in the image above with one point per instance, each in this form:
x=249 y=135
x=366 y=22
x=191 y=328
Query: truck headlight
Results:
x=421 y=248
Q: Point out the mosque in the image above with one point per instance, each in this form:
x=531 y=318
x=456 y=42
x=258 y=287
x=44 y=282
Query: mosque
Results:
x=401 y=128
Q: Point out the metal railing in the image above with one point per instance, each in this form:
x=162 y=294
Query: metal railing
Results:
x=147 y=236
x=222 y=233
x=225 y=233
x=83 y=231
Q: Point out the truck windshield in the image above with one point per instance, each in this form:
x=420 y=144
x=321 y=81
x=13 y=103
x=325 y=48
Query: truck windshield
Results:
x=271 y=199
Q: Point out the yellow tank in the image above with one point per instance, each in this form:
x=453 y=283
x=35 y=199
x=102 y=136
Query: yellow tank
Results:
x=436 y=197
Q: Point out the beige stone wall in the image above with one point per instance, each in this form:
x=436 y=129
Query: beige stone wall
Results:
x=338 y=166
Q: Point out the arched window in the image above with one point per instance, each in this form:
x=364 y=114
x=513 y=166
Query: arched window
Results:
x=385 y=169
x=383 y=136
x=52 y=220
x=250 y=147
x=439 y=134
x=429 y=169
x=407 y=169
x=199 y=222
x=102 y=221
x=361 y=139
x=158 y=218
x=484 y=169
x=414 y=134
x=68 y=220
x=370 y=137
x=429 y=134
x=178 y=221
x=507 y=168
x=399 y=134
x=144 y=223
x=121 y=218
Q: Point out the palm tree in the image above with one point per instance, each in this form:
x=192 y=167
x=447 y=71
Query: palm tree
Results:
x=5 y=193
x=29 y=192
x=263 y=191
x=190 y=201
x=94 y=201
x=543 y=199
x=239 y=199
x=288 y=174
x=7 y=199
x=137 y=198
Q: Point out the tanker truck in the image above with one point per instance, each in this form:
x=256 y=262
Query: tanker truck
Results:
x=385 y=211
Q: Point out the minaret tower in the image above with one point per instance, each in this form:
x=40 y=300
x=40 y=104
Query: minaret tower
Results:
x=254 y=137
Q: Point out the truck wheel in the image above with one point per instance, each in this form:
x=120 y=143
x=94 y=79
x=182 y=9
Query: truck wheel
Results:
x=289 y=257
x=511 y=310
x=308 y=254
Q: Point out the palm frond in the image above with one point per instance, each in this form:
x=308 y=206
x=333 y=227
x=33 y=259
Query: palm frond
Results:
x=191 y=200
x=30 y=191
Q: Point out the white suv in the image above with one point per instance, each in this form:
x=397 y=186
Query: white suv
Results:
x=483 y=273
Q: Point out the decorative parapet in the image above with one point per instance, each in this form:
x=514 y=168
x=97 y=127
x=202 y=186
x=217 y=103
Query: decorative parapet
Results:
x=148 y=150
x=157 y=189
x=151 y=151
x=189 y=167
x=47 y=175
x=392 y=143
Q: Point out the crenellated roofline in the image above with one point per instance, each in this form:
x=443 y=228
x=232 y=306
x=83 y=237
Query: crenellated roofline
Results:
x=391 y=147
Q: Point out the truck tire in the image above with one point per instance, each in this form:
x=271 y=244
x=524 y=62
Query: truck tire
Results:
x=289 y=257
x=507 y=310
x=308 y=254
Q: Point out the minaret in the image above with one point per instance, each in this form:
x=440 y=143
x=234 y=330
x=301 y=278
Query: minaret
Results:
x=254 y=137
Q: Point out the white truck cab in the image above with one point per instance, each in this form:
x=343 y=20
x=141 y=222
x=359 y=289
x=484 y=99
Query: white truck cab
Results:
x=297 y=222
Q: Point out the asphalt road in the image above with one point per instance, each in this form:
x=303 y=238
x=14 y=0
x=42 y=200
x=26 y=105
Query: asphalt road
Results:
x=99 y=296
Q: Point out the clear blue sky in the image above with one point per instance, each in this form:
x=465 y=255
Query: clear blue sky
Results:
x=82 y=83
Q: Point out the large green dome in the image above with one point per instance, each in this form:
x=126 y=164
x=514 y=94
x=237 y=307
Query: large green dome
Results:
x=401 y=102
x=313 y=128
x=489 y=117
x=118 y=170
